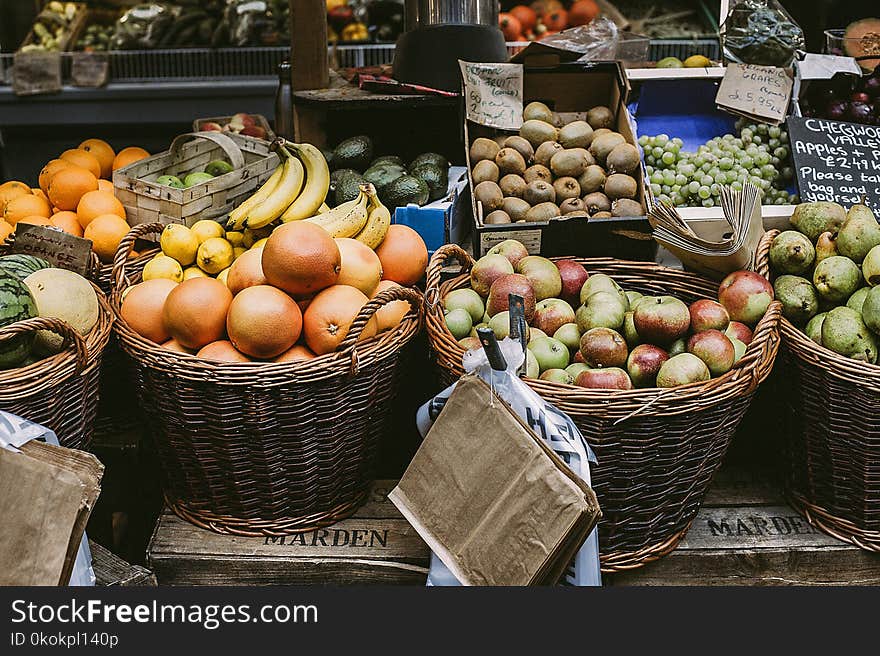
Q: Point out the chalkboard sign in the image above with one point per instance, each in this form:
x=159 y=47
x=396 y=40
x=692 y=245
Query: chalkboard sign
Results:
x=836 y=161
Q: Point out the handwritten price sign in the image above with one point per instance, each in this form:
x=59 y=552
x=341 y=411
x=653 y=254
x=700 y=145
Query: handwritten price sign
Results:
x=493 y=94
x=760 y=92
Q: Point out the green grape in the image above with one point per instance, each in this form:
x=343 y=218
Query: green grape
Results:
x=657 y=152
x=708 y=202
x=661 y=139
x=643 y=141
x=699 y=161
x=668 y=177
x=694 y=186
x=706 y=180
x=773 y=143
x=678 y=142
x=715 y=189
x=746 y=162
x=762 y=128
x=757 y=139
x=668 y=158
x=655 y=189
x=776 y=162
x=783 y=137
x=677 y=199
x=762 y=158
x=657 y=177
x=774 y=131
x=705 y=167
x=649 y=169
x=688 y=169
x=666 y=189
x=779 y=201
x=781 y=152
x=704 y=192
x=725 y=163
x=681 y=179
x=787 y=173
x=736 y=185
x=768 y=171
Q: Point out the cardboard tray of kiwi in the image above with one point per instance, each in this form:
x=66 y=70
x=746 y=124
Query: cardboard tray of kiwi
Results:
x=569 y=182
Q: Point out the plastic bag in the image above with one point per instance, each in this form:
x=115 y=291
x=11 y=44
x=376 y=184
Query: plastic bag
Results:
x=557 y=429
x=143 y=26
x=761 y=32
x=248 y=22
x=596 y=41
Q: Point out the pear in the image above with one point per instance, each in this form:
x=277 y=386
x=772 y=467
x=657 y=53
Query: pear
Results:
x=871 y=310
x=791 y=252
x=813 y=219
x=837 y=278
x=858 y=234
x=825 y=247
x=814 y=328
x=844 y=332
x=798 y=297
x=857 y=300
x=871 y=266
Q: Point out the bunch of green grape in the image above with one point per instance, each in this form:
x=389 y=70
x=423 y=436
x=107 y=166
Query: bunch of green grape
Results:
x=759 y=154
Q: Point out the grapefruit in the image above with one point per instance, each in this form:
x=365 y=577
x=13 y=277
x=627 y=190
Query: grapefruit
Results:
x=296 y=353
x=172 y=345
x=263 y=322
x=142 y=309
x=360 y=266
x=403 y=254
x=391 y=314
x=330 y=315
x=301 y=258
x=246 y=271
x=195 y=312
x=222 y=351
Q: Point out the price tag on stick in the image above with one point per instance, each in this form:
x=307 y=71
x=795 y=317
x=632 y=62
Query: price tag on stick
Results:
x=757 y=92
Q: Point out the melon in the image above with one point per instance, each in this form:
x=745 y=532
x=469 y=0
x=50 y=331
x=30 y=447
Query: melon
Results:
x=65 y=295
x=862 y=39
x=16 y=304
x=21 y=265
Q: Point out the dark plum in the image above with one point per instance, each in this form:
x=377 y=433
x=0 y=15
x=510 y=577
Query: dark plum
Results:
x=860 y=112
x=860 y=97
x=836 y=110
x=871 y=86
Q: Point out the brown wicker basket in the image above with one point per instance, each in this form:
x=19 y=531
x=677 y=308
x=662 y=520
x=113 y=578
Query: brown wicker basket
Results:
x=60 y=392
x=832 y=433
x=657 y=449
x=268 y=448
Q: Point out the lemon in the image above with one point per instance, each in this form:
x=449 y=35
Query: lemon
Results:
x=215 y=254
x=248 y=238
x=235 y=238
x=163 y=266
x=223 y=275
x=669 y=62
x=238 y=251
x=260 y=243
x=193 y=272
x=697 y=61
x=207 y=229
x=179 y=242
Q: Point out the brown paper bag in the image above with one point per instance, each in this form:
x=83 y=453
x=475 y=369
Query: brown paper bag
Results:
x=46 y=496
x=490 y=498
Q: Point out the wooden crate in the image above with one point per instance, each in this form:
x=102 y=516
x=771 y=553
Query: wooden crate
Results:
x=110 y=569
x=146 y=201
x=375 y=545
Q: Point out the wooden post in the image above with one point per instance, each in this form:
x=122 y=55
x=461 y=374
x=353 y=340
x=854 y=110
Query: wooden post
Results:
x=308 y=45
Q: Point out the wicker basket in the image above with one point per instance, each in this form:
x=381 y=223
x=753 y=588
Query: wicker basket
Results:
x=657 y=449
x=832 y=433
x=148 y=202
x=60 y=392
x=266 y=448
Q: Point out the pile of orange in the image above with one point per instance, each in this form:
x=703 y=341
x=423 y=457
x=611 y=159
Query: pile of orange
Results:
x=75 y=195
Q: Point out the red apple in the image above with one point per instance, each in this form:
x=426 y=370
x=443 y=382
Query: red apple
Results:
x=603 y=347
x=511 y=249
x=511 y=283
x=211 y=126
x=573 y=278
x=644 y=363
x=470 y=343
x=682 y=369
x=715 y=349
x=741 y=331
x=610 y=378
x=661 y=319
x=486 y=270
x=253 y=131
x=551 y=314
x=578 y=357
x=543 y=275
x=244 y=119
x=706 y=315
x=745 y=295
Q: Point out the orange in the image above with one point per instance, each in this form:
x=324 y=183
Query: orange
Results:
x=67 y=222
x=105 y=185
x=81 y=158
x=23 y=206
x=96 y=203
x=128 y=156
x=403 y=255
x=330 y=315
x=36 y=191
x=106 y=231
x=69 y=185
x=103 y=152
x=5 y=230
x=49 y=170
x=34 y=220
x=12 y=189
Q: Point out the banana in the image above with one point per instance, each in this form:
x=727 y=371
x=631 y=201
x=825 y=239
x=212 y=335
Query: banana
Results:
x=317 y=183
x=378 y=220
x=237 y=216
x=289 y=187
x=324 y=208
x=346 y=220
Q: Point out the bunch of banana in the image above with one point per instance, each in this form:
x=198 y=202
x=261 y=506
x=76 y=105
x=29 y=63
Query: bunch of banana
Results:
x=345 y=220
x=378 y=220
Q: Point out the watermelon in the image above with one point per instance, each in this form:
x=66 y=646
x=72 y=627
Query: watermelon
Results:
x=16 y=304
x=21 y=265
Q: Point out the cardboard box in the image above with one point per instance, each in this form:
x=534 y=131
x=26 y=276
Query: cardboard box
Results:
x=444 y=221
x=569 y=88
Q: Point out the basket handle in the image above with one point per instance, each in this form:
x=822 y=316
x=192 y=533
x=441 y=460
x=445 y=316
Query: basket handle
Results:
x=226 y=143
x=435 y=266
x=412 y=296
x=123 y=252
x=57 y=326
x=762 y=254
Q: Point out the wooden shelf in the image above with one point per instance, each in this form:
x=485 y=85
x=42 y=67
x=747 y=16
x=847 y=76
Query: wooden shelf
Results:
x=353 y=98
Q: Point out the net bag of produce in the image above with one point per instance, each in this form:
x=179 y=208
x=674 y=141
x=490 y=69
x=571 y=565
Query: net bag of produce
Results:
x=760 y=32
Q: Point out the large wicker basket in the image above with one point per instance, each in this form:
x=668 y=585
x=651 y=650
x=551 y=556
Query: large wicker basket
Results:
x=657 y=449
x=268 y=448
x=60 y=392
x=832 y=433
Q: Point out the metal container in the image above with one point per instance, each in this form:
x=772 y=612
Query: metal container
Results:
x=422 y=13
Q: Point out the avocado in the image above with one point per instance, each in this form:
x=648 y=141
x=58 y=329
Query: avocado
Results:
x=435 y=177
x=353 y=153
x=405 y=190
x=328 y=155
x=388 y=159
x=432 y=158
x=381 y=175
x=347 y=187
x=335 y=177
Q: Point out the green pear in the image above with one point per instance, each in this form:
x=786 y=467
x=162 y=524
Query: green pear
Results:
x=814 y=328
x=871 y=266
x=825 y=247
x=799 y=300
x=871 y=310
x=837 y=278
x=791 y=252
x=857 y=300
x=858 y=234
x=813 y=219
x=844 y=332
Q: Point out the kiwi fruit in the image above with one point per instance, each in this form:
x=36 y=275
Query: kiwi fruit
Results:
x=620 y=185
x=489 y=194
x=592 y=179
x=565 y=188
x=542 y=212
x=521 y=146
x=577 y=134
x=484 y=170
x=569 y=162
x=510 y=161
x=596 y=133
x=516 y=208
x=570 y=205
x=600 y=117
x=500 y=139
x=539 y=191
x=626 y=207
x=623 y=158
x=537 y=111
x=601 y=215
x=604 y=144
x=546 y=151
x=483 y=148
x=596 y=202
x=498 y=216
x=512 y=185
x=537 y=132
x=537 y=172
x=577 y=214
